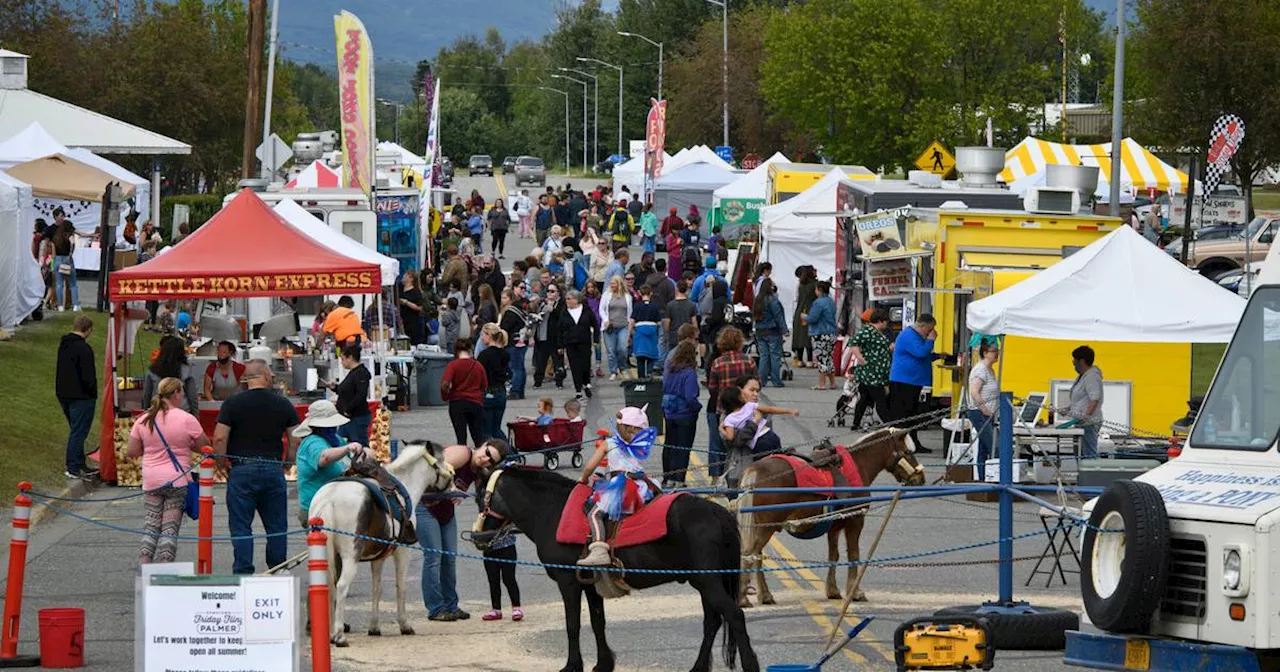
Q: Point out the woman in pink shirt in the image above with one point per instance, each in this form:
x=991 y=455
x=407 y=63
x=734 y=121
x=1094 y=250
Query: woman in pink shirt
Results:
x=165 y=437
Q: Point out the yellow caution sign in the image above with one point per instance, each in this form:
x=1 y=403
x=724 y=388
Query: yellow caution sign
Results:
x=936 y=159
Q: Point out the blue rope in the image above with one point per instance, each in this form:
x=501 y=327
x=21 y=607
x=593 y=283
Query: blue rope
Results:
x=180 y=537
x=131 y=495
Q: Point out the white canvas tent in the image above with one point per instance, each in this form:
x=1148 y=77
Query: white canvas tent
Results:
x=692 y=185
x=21 y=286
x=406 y=157
x=630 y=174
x=320 y=232
x=698 y=154
x=791 y=240
x=1121 y=288
x=1139 y=169
x=748 y=194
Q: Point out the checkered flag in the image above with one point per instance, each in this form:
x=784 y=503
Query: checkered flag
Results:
x=1224 y=140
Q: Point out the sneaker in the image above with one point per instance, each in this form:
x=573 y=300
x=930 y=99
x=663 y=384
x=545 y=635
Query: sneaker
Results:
x=587 y=389
x=517 y=614
x=922 y=449
x=446 y=616
x=75 y=308
x=494 y=615
x=62 y=309
x=599 y=372
x=461 y=615
x=578 y=396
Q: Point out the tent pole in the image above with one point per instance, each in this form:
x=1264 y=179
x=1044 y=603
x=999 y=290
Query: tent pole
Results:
x=107 y=437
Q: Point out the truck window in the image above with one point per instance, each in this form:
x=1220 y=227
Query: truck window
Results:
x=1242 y=410
x=1269 y=235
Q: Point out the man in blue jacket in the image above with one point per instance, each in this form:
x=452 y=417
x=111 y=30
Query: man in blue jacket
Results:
x=912 y=371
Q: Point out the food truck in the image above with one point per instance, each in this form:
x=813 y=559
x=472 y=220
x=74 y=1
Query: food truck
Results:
x=1178 y=565
x=788 y=179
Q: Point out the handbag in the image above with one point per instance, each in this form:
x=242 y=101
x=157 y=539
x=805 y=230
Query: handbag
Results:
x=64 y=269
x=192 y=505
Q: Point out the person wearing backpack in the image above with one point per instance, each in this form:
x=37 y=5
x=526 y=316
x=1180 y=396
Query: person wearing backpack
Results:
x=681 y=407
x=620 y=225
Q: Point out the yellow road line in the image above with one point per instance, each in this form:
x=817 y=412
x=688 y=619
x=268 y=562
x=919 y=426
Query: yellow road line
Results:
x=817 y=609
x=502 y=187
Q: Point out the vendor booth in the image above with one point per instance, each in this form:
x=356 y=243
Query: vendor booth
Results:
x=316 y=175
x=1139 y=168
x=1139 y=309
x=736 y=206
x=246 y=250
x=791 y=239
x=631 y=174
x=21 y=285
x=690 y=186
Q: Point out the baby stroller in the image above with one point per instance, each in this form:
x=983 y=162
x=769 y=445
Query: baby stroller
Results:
x=560 y=436
x=846 y=403
x=691 y=259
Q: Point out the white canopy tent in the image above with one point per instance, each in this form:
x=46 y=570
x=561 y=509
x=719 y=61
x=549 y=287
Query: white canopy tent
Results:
x=791 y=240
x=1121 y=288
x=753 y=184
x=21 y=285
x=630 y=174
x=698 y=154
x=34 y=142
x=744 y=196
x=406 y=157
x=320 y=232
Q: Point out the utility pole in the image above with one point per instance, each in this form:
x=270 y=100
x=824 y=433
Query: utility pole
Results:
x=656 y=44
x=619 y=69
x=595 y=113
x=269 y=148
x=724 y=36
x=584 y=115
x=253 y=97
x=1117 y=114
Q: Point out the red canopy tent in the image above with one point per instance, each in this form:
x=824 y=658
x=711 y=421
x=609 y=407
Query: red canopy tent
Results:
x=246 y=250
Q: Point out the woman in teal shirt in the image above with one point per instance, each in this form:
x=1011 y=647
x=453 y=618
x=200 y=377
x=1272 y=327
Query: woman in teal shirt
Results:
x=323 y=455
x=821 y=320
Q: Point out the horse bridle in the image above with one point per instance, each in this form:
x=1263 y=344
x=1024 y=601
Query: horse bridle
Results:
x=481 y=537
x=439 y=466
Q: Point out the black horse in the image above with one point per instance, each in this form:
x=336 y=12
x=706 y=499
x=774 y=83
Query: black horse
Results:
x=700 y=535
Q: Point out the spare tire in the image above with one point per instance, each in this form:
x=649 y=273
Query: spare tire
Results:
x=1021 y=627
x=1125 y=558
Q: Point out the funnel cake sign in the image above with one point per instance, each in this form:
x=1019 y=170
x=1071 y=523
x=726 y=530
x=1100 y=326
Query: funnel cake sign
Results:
x=355 y=97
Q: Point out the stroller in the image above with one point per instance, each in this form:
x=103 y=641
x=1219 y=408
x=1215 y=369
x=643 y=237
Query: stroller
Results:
x=560 y=436
x=846 y=403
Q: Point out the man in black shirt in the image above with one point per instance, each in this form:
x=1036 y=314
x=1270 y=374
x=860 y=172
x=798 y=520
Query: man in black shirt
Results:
x=249 y=431
x=353 y=397
x=76 y=386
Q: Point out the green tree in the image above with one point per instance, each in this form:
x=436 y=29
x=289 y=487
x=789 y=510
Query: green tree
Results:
x=467 y=127
x=477 y=64
x=316 y=89
x=1193 y=62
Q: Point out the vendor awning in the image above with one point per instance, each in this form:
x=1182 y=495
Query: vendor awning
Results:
x=245 y=250
x=1140 y=168
x=60 y=176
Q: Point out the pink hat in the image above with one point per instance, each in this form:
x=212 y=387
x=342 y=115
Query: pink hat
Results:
x=634 y=417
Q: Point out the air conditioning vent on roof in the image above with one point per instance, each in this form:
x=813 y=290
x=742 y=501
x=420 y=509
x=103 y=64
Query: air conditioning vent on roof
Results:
x=1051 y=200
x=925 y=179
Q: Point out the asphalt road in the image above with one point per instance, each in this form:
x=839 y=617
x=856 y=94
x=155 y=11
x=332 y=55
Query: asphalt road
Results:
x=75 y=562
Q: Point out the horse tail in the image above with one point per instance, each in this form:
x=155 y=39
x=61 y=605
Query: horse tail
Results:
x=732 y=584
x=746 y=520
x=322 y=507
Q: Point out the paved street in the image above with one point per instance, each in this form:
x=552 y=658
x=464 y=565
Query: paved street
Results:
x=86 y=563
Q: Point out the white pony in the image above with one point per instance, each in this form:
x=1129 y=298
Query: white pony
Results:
x=349 y=506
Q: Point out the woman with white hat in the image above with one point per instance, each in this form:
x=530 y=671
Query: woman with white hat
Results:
x=323 y=454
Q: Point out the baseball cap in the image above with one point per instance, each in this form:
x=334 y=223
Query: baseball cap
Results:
x=634 y=417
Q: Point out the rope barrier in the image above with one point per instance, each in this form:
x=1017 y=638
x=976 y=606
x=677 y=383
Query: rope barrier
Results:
x=180 y=537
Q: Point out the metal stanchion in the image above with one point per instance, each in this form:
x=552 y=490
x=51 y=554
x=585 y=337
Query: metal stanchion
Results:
x=318 y=595
x=204 y=545
x=13 y=589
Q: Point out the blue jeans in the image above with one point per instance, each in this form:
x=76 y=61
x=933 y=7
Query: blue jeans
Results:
x=495 y=405
x=770 y=368
x=715 y=446
x=615 y=342
x=649 y=244
x=439 y=570
x=984 y=432
x=79 y=414
x=59 y=279
x=662 y=348
x=357 y=431
x=260 y=487
x=1089 y=442
x=516 y=354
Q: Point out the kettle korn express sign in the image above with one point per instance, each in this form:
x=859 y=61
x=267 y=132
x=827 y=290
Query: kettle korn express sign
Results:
x=292 y=284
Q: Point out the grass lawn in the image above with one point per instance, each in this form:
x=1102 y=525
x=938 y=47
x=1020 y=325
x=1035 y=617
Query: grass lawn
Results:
x=1266 y=200
x=1205 y=358
x=33 y=440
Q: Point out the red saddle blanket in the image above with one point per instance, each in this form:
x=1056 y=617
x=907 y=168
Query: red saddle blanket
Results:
x=646 y=525
x=809 y=476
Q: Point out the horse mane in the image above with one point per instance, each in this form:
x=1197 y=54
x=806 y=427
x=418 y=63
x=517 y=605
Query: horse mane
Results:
x=873 y=439
x=536 y=477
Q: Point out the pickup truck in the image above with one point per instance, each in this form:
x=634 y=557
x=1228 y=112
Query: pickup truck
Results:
x=1179 y=566
x=1215 y=257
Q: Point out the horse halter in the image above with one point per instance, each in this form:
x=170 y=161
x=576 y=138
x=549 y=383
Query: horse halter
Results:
x=481 y=537
x=445 y=473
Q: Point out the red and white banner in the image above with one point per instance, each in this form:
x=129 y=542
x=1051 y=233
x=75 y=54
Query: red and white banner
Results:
x=1224 y=140
x=655 y=138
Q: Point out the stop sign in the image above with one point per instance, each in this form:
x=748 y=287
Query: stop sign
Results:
x=751 y=161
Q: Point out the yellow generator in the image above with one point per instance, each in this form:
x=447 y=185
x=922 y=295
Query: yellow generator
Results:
x=937 y=643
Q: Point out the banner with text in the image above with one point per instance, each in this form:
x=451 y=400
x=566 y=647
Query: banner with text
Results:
x=878 y=233
x=655 y=137
x=256 y=285
x=355 y=101
x=1224 y=140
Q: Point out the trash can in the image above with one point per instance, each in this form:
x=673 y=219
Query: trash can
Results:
x=61 y=638
x=648 y=391
x=430 y=369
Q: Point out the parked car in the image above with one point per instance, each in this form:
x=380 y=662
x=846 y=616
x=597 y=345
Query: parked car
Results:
x=1219 y=232
x=1212 y=258
x=508 y=165
x=607 y=165
x=531 y=170
x=480 y=164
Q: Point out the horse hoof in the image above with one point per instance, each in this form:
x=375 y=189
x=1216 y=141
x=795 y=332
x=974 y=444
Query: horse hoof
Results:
x=340 y=641
x=834 y=595
x=745 y=604
x=407 y=630
x=767 y=599
x=346 y=627
x=860 y=596
x=375 y=632
x=571 y=668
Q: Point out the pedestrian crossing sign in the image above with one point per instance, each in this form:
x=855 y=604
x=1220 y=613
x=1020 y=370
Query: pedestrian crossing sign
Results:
x=936 y=159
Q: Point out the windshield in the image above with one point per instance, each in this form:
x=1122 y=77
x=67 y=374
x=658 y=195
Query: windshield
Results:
x=481 y=159
x=529 y=161
x=1252 y=230
x=1242 y=411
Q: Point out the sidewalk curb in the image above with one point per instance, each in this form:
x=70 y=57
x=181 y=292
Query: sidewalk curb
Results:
x=78 y=489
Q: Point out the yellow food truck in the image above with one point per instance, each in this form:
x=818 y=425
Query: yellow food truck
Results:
x=788 y=179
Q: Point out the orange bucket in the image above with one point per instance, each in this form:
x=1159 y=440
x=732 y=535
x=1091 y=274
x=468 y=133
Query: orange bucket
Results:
x=61 y=638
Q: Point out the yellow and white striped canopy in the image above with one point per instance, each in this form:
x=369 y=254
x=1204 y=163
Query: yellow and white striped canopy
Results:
x=1140 y=169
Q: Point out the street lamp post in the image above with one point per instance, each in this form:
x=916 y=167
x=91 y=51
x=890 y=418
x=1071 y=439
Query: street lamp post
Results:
x=1117 y=114
x=656 y=44
x=619 y=69
x=584 y=115
x=566 y=122
x=724 y=5
x=595 y=113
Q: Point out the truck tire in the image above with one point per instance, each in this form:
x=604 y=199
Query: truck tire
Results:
x=1124 y=559
x=1032 y=629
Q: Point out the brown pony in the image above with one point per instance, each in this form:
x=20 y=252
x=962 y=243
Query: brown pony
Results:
x=885 y=449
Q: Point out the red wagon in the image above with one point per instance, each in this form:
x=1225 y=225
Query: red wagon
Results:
x=561 y=436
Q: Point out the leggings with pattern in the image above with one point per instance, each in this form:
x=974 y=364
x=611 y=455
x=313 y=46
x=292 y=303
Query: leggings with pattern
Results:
x=165 y=508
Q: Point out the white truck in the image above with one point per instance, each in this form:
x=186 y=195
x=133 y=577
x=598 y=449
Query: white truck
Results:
x=1181 y=567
